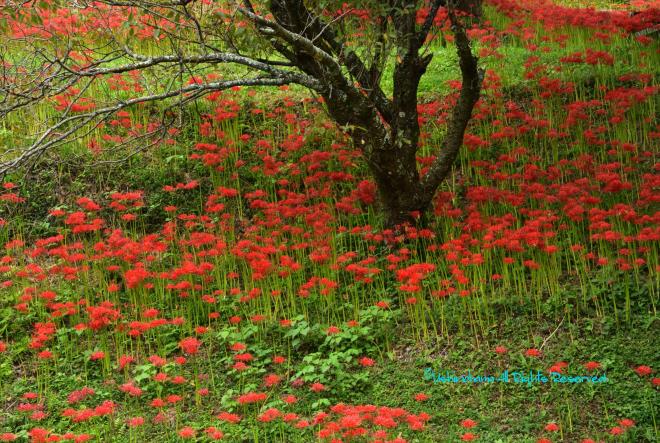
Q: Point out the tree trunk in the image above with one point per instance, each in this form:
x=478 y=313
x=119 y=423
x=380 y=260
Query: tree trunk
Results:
x=397 y=178
x=386 y=131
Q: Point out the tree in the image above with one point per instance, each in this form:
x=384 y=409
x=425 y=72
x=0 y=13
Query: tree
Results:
x=281 y=41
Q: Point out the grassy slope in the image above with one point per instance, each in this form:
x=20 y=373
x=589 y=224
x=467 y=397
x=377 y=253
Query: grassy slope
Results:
x=505 y=412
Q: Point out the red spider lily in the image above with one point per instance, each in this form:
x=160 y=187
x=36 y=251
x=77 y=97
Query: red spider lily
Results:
x=213 y=433
x=98 y=355
x=515 y=213
x=131 y=389
x=251 y=397
x=616 y=430
x=317 y=387
x=134 y=422
x=413 y=275
x=161 y=377
x=190 y=345
x=238 y=347
x=627 y=423
x=558 y=367
x=366 y=362
x=551 y=427
x=269 y=415
x=333 y=330
x=533 y=352
x=158 y=403
x=643 y=370
x=243 y=357
x=186 y=432
x=173 y=398
x=271 y=380
x=79 y=395
x=592 y=365
x=45 y=354
x=228 y=417
x=157 y=360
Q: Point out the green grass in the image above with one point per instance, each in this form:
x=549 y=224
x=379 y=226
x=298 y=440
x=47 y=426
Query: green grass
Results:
x=517 y=412
x=570 y=307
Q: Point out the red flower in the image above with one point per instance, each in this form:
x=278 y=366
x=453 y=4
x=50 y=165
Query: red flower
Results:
x=366 y=361
x=558 y=367
x=383 y=304
x=626 y=422
x=157 y=360
x=616 y=430
x=161 y=377
x=592 y=365
x=501 y=350
x=251 y=397
x=213 y=433
x=135 y=421
x=240 y=366
x=468 y=423
x=98 y=355
x=271 y=380
x=551 y=427
x=643 y=370
x=238 y=347
x=317 y=387
x=243 y=357
x=157 y=403
x=187 y=432
x=229 y=417
x=533 y=352
x=269 y=415
x=468 y=436
x=421 y=397
x=190 y=345
x=45 y=354
x=173 y=398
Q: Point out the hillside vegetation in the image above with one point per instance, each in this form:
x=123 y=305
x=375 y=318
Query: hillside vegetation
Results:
x=234 y=281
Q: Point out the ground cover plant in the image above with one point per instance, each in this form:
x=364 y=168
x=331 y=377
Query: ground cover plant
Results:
x=224 y=271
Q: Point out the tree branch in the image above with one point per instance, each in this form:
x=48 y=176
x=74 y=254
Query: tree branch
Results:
x=472 y=77
x=81 y=120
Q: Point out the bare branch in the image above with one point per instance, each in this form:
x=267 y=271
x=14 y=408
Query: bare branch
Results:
x=81 y=120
